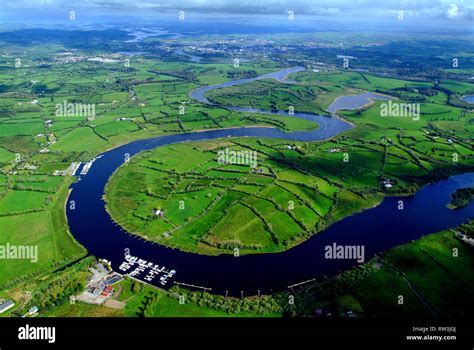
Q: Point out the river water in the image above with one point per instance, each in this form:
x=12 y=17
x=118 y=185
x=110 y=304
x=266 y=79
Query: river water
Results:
x=375 y=229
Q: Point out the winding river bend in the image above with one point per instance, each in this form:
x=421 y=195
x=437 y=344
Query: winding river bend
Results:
x=378 y=229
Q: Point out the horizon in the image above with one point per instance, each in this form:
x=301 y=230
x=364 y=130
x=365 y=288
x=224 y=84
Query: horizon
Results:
x=214 y=159
x=442 y=17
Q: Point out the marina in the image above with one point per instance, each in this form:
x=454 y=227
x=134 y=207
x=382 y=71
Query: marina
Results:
x=378 y=229
x=146 y=270
x=93 y=227
x=87 y=166
x=75 y=167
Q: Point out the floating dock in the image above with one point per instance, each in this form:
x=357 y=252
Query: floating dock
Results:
x=87 y=166
x=146 y=270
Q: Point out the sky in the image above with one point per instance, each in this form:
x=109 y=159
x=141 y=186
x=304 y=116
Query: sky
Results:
x=423 y=16
x=458 y=10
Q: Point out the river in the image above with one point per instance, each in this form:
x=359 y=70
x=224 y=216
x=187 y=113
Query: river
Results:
x=376 y=229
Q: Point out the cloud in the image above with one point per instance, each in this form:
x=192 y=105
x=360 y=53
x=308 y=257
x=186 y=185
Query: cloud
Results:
x=448 y=11
x=453 y=10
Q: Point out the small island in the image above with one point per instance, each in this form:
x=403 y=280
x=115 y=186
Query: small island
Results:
x=461 y=198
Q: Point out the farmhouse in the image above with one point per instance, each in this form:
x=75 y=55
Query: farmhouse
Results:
x=107 y=291
x=387 y=183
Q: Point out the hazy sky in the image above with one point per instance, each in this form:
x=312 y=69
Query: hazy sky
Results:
x=462 y=10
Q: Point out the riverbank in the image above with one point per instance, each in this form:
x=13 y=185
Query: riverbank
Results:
x=189 y=206
x=423 y=279
x=411 y=270
x=353 y=179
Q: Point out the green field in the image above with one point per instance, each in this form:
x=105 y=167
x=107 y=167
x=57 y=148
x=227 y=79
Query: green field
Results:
x=42 y=225
x=292 y=191
x=426 y=275
x=36 y=141
x=205 y=201
x=296 y=189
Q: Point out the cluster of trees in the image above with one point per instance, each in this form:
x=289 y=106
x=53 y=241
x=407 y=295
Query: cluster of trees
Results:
x=22 y=187
x=230 y=244
x=242 y=74
x=271 y=121
x=187 y=74
x=259 y=305
x=58 y=291
x=453 y=98
x=58 y=288
x=293 y=303
x=35 y=210
x=467 y=228
x=136 y=287
x=462 y=197
x=41 y=89
x=150 y=305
